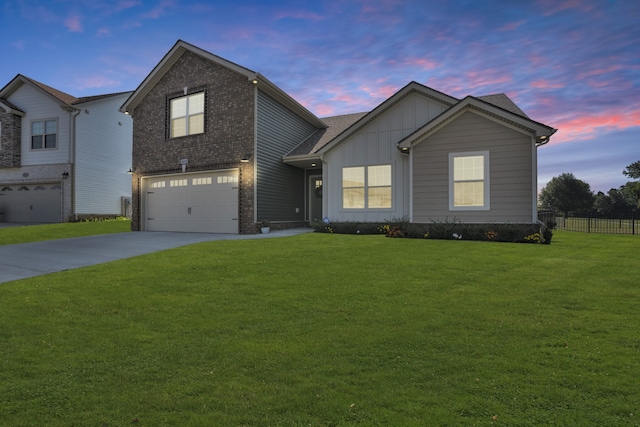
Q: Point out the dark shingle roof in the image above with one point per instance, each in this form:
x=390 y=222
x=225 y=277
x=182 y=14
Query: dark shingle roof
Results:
x=97 y=97
x=503 y=101
x=70 y=99
x=64 y=97
x=335 y=126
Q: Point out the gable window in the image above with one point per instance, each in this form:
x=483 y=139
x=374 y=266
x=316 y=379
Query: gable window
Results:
x=187 y=115
x=469 y=181
x=44 y=134
x=366 y=186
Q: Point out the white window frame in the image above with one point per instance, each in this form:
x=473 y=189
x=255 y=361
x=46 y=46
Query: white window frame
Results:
x=487 y=185
x=187 y=115
x=366 y=187
x=44 y=134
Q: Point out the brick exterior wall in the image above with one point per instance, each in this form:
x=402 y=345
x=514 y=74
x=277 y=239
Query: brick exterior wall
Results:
x=228 y=136
x=10 y=134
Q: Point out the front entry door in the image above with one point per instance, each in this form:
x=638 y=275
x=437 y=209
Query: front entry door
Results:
x=315 y=198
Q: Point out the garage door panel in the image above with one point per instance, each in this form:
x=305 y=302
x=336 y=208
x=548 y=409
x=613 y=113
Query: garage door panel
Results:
x=37 y=203
x=202 y=202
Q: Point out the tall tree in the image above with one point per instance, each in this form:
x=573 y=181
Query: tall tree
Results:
x=566 y=193
x=632 y=188
x=633 y=170
x=617 y=203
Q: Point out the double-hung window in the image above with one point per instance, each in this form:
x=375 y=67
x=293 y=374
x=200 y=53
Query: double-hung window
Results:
x=366 y=187
x=469 y=181
x=187 y=115
x=44 y=134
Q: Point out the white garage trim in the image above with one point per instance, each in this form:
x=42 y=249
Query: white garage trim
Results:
x=199 y=202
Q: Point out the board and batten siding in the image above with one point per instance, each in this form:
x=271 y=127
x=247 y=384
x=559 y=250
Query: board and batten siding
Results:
x=38 y=106
x=103 y=156
x=376 y=144
x=511 y=176
x=280 y=187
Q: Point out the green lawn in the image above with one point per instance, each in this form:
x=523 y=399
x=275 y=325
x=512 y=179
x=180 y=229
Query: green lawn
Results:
x=35 y=233
x=330 y=330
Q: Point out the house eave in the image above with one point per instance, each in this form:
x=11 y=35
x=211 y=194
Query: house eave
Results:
x=11 y=110
x=310 y=161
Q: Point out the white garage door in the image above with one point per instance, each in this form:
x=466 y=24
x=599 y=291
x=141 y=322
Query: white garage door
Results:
x=198 y=202
x=31 y=203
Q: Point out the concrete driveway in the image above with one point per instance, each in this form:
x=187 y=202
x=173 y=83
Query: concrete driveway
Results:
x=34 y=259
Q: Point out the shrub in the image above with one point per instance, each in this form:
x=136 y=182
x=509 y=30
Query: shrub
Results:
x=443 y=230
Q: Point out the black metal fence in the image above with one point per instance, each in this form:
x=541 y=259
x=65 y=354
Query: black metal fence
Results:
x=592 y=222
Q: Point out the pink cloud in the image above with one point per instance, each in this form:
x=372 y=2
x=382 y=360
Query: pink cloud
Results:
x=379 y=93
x=477 y=79
x=422 y=63
x=73 y=24
x=511 y=26
x=546 y=84
x=592 y=125
x=324 y=110
x=599 y=71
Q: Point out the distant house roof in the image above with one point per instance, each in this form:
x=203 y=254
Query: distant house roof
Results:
x=61 y=97
x=58 y=94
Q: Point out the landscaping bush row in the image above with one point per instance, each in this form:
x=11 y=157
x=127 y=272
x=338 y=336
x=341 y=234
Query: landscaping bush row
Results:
x=443 y=230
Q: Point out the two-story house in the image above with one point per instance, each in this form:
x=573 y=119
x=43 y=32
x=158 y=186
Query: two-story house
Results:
x=62 y=157
x=218 y=147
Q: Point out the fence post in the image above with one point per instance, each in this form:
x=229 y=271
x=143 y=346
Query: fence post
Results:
x=589 y=223
x=633 y=221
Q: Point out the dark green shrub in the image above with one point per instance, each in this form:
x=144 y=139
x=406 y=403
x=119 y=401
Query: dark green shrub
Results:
x=441 y=230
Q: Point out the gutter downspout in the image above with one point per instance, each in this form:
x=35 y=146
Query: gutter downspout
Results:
x=73 y=114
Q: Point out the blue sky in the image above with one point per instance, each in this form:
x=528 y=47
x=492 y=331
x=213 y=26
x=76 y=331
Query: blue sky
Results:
x=571 y=64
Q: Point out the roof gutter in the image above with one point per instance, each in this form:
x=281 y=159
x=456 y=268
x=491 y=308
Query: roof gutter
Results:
x=544 y=139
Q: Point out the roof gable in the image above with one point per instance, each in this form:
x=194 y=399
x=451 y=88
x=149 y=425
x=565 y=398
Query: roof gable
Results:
x=174 y=55
x=539 y=131
x=412 y=87
x=57 y=95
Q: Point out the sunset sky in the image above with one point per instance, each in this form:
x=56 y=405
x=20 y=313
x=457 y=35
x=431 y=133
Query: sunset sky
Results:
x=571 y=64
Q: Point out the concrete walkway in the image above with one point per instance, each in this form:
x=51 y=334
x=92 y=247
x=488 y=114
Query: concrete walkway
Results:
x=34 y=259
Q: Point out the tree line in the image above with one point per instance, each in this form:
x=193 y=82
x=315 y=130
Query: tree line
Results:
x=566 y=193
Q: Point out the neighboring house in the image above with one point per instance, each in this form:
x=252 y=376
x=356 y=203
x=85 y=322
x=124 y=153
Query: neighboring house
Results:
x=62 y=157
x=218 y=148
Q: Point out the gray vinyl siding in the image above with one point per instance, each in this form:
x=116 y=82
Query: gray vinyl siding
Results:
x=280 y=187
x=511 y=175
x=103 y=156
x=376 y=144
